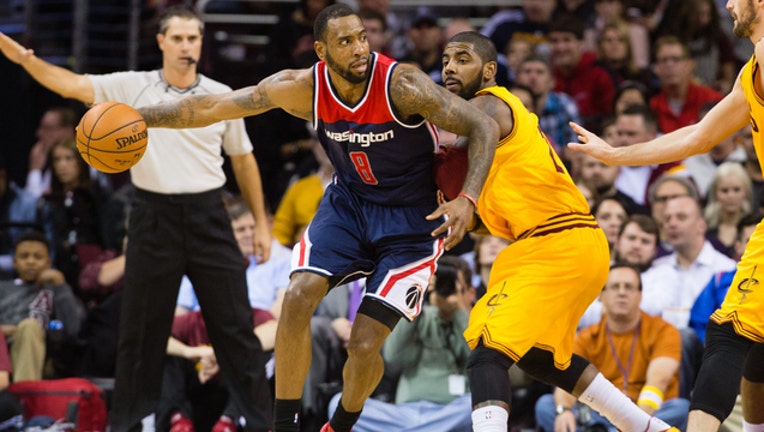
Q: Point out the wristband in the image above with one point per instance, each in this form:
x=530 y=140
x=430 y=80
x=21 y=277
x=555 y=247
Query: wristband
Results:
x=469 y=198
x=650 y=396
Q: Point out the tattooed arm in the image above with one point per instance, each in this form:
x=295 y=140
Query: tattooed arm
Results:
x=414 y=94
x=291 y=90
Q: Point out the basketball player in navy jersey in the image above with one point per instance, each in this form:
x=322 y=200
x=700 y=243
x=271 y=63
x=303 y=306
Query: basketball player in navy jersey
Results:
x=375 y=118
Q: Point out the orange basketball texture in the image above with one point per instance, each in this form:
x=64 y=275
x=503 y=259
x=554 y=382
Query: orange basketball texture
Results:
x=112 y=137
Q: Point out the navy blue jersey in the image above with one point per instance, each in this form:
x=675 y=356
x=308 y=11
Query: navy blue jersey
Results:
x=378 y=157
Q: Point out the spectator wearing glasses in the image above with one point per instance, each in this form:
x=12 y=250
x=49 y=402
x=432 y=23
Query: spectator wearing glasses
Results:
x=679 y=100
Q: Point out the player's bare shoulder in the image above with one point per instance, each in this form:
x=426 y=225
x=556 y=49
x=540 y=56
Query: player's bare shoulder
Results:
x=289 y=89
x=497 y=109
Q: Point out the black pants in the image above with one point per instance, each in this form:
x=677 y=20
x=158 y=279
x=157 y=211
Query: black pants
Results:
x=169 y=236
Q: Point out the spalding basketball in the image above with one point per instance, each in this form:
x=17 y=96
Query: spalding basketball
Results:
x=450 y=170
x=112 y=137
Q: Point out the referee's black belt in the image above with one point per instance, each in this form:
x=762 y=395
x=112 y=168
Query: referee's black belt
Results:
x=213 y=195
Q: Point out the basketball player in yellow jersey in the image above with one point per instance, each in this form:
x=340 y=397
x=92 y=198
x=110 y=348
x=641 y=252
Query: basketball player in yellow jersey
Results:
x=542 y=283
x=735 y=332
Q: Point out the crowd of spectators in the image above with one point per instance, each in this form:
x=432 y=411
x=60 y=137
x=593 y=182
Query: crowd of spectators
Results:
x=627 y=69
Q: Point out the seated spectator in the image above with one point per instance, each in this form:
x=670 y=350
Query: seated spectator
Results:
x=77 y=215
x=614 y=53
x=636 y=246
x=630 y=93
x=299 y=204
x=555 y=109
x=377 y=33
x=191 y=390
x=530 y=23
x=638 y=124
x=426 y=41
x=710 y=299
x=266 y=282
x=56 y=123
x=637 y=352
x=577 y=74
x=38 y=311
x=601 y=179
x=744 y=139
x=481 y=259
x=18 y=213
x=431 y=354
x=679 y=100
x=665 y=188
x=729 y=201
x=674 y=282
x=610 y=215
x=703 y=166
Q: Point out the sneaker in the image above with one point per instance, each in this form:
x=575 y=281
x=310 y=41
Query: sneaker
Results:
x=224 y=424
x=179 y=423
x=672 y=429
x=328 y=428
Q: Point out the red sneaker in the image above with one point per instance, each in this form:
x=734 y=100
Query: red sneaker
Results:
x=327 y=428
x=224 y=424
x=178 y=423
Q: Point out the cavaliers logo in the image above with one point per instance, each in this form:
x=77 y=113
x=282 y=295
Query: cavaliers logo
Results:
x=413 y=296
x=496 y=299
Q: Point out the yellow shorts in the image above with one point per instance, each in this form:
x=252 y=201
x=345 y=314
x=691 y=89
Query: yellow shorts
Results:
x=538 y=290
x=744 y=304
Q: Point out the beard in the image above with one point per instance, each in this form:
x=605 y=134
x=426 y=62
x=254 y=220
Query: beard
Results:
x=345 y=72
x=469 y=89
x=743 y=26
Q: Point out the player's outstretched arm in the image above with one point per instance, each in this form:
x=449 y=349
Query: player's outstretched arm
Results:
x=57 y=79
x=291 y=90
x=724 y=119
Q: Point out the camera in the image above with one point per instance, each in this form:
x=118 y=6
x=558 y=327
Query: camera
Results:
x=445 y=280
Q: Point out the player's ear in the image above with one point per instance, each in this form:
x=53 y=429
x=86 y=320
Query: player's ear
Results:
x=320 y=49
x=489 y=70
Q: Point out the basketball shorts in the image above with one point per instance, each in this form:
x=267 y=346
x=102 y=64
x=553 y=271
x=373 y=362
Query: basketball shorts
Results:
x=391 y=246
x=743 y=305
x=538 y=289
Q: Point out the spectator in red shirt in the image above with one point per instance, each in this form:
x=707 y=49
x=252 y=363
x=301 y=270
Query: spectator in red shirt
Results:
x=679 y=101
x=577 y=73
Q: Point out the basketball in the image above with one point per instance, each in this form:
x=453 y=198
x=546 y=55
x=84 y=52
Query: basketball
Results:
x=112 y=137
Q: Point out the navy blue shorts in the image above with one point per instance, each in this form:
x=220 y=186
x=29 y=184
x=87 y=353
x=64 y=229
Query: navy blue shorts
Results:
x=390 y=246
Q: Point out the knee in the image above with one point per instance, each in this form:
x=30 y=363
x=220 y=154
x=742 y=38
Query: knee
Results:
x=28 y=328
x=304 y=294
x=365 y=348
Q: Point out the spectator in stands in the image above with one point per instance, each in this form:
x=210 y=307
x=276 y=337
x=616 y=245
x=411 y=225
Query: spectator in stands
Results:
x=76 y=214
x=266 y=282
x=665 y=188
x=554 y=109
x=679 y=100
x=712 y=296
x=56 y=124
x=397 y=41
x=703 y=166
x=18 y=213
x=637 y=352
x=11 y=413
x=601 y=179
x=612 y=30
x=376 y=30
x=630 y=93
x=636 y=124
x=697 y=24
x=636 y=246
x=615 y=54
x=577 y=74
x=674 y=282
x=610 y=215
x=290 y=43
x=487 y=247
x=729 y=201
x=193 y=397
x=38 y=310
x=426 y=43
x=744 y=139
x=518 y=49
x=431 y=353
x=300 y=202
x=530 y=23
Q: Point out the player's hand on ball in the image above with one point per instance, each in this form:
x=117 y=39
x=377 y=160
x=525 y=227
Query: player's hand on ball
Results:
x=461 y=218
